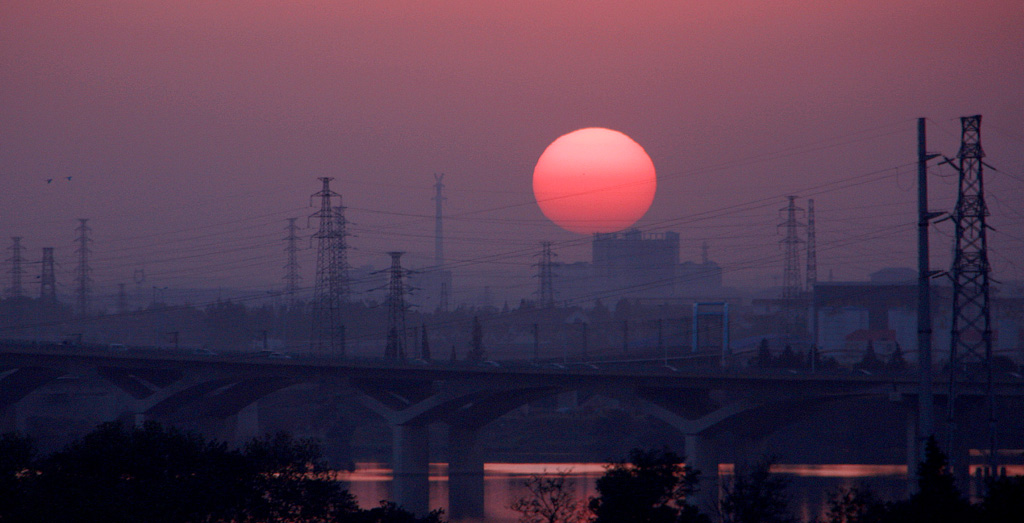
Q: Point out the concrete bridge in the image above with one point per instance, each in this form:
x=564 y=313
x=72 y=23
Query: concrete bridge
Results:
x=410 y=396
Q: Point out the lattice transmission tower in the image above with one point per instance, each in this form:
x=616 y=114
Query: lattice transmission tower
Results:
x=811 y=279
x=546 y=275
x=811 y=275
x=328 y=335
x=792 y=289
x=444 y=276
x=16 y=271
x=970 y=354
x=291 y=268
x=83 y=281
x=791 y=246
x=342 y=285
x=395 y=348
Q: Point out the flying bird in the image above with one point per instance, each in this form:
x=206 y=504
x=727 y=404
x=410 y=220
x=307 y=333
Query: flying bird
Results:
x=48 y=180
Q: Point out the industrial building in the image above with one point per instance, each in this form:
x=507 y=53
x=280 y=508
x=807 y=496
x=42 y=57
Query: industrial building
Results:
x=632 y=264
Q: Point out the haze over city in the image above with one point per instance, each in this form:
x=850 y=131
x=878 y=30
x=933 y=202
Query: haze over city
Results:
x=528 y=261
x=187 y=132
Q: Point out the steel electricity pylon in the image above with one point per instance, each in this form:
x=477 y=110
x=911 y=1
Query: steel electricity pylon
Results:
x=341 y=272
x=328 y=333
x=970 y=354
x=83 y=281
x=811 y=279
x=443 y=276
x=395 y=348
x=792 y=291
x=16 y=271
x=811 y=275
x=291 y=268
x=545 y=273
x=791 y=246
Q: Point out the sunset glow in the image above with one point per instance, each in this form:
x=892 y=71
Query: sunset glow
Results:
x=594 y=180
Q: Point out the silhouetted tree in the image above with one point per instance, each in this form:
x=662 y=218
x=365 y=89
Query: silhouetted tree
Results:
x=855 y=505
x=813 y=358
x=424 y=343
x=937 y=499
x=896 y=361
x=652 y=487
x=870 y=360
x=789 y=359
x=1004 y=500
x=476 y=351
x=118 y=474
x=291 y=482
x=550 y=500
x=389 y=512
x=764 y=355
x=755 y=495
x=154 y=474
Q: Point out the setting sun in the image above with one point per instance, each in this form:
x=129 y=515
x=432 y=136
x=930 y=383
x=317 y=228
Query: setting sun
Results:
x=594 y=180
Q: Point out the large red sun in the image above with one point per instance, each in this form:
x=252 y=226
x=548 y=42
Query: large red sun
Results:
x=594 y=180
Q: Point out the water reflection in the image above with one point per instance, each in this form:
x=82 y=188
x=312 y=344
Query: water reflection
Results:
x=809 y=485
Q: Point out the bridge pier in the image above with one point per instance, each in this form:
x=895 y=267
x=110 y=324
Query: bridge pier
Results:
x=244 y=425
x=410 y=463
x=701 y=455
x=465 y=473
x=915 y=449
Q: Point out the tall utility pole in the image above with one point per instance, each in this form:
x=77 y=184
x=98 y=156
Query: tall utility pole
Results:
x=82 y=280
x=47 y=278
x=545 y=273
x=16 y=271
x=341 y=248
x=925 y=401
x=328 y=336
x=971 y=330
x=395 y=348
x=444 y=281
x=291 y=269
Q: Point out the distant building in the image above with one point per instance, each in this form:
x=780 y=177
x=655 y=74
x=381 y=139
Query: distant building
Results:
x=887 y=303
x=631 y=264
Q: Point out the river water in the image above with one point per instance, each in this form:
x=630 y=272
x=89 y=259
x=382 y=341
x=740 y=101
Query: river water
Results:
x=808 y=485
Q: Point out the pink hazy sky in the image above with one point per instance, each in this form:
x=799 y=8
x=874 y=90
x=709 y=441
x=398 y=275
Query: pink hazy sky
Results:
x=192 y=129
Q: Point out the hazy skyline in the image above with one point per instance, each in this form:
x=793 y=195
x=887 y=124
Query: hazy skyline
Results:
x=192 y=130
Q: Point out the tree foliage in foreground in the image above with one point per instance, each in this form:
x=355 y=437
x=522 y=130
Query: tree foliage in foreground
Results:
x=652 y=487
x=551 y=500
x=755 y=495
x=161 y=475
